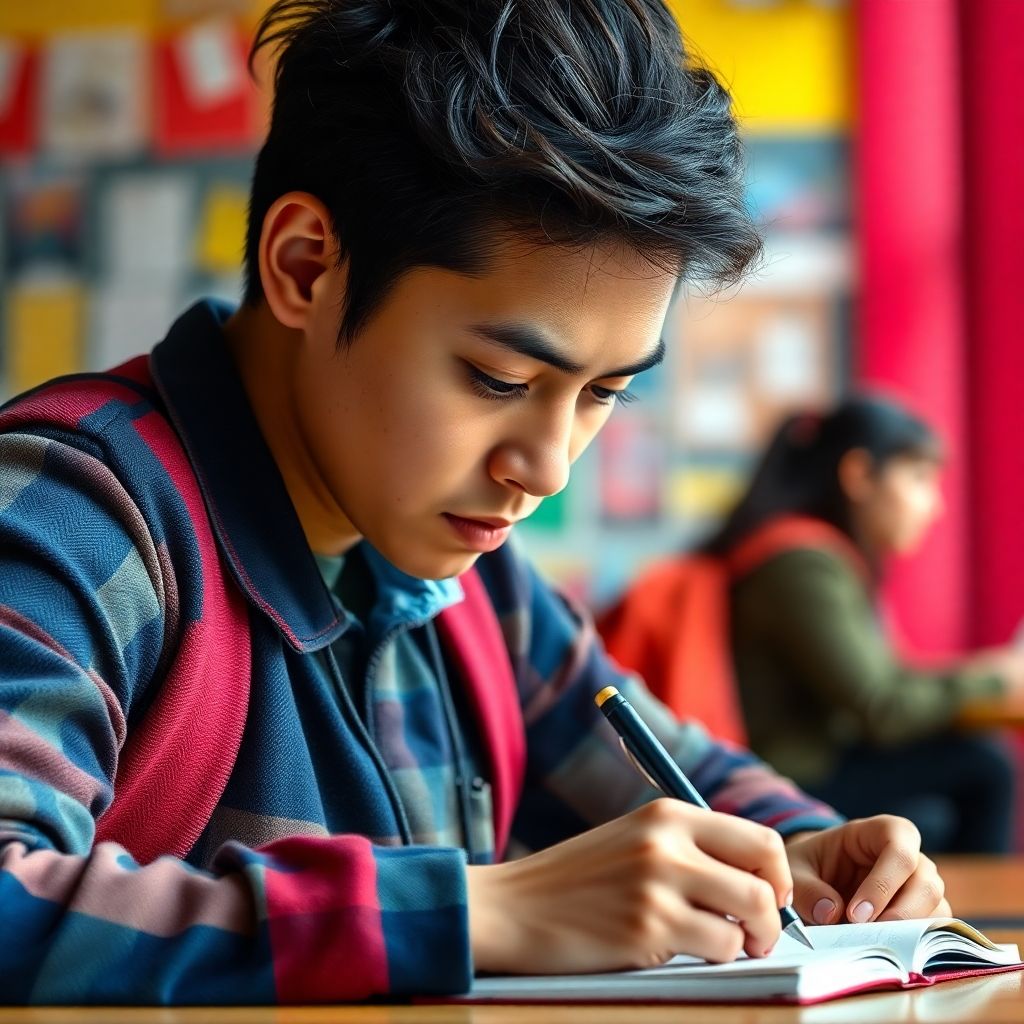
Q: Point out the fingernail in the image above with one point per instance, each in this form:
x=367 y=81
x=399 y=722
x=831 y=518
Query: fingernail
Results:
x=789 y=899
x=862 y=911
x=823 y=910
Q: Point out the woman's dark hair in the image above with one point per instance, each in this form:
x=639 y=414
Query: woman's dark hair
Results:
x=427 y=127
x=799 y=471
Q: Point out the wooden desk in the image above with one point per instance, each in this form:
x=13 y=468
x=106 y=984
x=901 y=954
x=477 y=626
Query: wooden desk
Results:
x=978 y=887
x=997 y=713
x=985 y=887
x=998 y=999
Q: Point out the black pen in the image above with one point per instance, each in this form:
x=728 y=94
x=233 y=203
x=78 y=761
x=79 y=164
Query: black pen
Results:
x=657 y=765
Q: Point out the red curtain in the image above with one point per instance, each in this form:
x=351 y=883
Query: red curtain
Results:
x=939 y=189
x=910 y=335
x=993 y=73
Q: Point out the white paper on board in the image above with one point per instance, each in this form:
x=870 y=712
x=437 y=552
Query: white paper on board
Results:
x=148 y=220
x=210 y=64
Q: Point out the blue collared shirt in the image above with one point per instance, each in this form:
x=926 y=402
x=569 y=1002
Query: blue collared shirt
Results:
x=98 y=567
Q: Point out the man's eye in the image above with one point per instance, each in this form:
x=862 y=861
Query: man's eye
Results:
x=490 y=387
x=606 y=396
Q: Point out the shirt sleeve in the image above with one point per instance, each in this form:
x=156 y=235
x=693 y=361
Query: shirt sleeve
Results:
x=822 y=630
x=82 y=620
x=577 y=775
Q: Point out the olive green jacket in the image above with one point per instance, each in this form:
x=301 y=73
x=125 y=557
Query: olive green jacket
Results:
x=816 y=675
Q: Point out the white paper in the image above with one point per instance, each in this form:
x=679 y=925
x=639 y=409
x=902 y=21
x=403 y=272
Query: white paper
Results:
x=95 y=94
x=785 y=364
x=211 y=68
x=148 y=223
x=126 y=321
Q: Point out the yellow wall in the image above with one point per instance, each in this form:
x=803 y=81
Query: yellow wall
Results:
x=41 y=17
x=787 y=63
x=36 y=18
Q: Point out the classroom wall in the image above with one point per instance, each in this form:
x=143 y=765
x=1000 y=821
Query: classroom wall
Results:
x=109 y=229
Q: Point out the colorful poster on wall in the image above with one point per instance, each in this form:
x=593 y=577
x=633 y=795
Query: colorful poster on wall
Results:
x=19 y=97
x=95 y=95
x=631 y=461
x=744 y=363
x=44 y=220
x=799 y=183
x=204 y=98
x=696 y=492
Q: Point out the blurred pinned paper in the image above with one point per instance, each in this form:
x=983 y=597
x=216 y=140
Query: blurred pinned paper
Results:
x=44 y=219
x=786 y=358
x=221 y=234
x=19 y=83
x=631 y=454
x=746 y=362
x=702 y=492
x=147 y=219
x=715 y=412
x=796 y=182
x=44 y=330
x=126 y=321
x=95 y=94
x=212 y=70
x=10 y=65
x=204 y=101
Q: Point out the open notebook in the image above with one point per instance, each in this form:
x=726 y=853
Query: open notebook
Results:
x=846 y=958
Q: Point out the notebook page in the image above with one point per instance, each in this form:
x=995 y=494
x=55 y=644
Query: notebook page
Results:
x=917 y=941
x=958 y=947
x=900 y=937
x=790 y=971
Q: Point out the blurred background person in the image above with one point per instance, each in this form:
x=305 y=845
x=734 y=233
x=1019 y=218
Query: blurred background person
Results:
x=824 y=695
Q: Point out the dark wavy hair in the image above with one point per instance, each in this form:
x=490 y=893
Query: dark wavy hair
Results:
x=427 y=127
x=799 y=470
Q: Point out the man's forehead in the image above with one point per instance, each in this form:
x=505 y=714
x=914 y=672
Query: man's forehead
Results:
x=577 y=266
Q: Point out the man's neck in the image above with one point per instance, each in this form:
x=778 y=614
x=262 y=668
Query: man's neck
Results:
x=264 y=351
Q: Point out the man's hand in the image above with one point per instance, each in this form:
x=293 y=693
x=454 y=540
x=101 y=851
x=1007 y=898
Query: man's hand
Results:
x=667 y=878
x=871 y=869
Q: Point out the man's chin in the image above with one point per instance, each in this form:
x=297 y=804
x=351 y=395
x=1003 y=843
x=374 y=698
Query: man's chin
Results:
x=432 y=565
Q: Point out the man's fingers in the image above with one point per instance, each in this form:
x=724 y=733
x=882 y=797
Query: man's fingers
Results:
x=720 y=940
x=898 y=860
x=922 y=895
x=748 y=846
x=725 y=890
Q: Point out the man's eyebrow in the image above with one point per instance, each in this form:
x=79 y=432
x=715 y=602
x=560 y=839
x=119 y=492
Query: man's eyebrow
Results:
x=526 y=340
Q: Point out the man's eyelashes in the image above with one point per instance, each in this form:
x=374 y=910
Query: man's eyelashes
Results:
x=494 y=389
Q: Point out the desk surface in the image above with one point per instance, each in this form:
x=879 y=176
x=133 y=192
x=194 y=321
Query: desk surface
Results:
x=997 y=713
x=978 y=887
x=985 y=887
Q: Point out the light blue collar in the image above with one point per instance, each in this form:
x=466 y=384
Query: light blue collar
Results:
x=404 y=600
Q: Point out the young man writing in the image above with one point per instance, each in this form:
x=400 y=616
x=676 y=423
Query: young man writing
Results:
x=466 y=225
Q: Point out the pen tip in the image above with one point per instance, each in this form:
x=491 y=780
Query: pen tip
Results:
x=605 y=694
x=795 y=930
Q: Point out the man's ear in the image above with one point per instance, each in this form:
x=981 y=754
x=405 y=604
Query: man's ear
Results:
x=856 y=474
x=297 y=246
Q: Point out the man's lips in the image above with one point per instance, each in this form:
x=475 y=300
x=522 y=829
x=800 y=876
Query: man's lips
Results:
x=496 y=522
x=480 y=533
